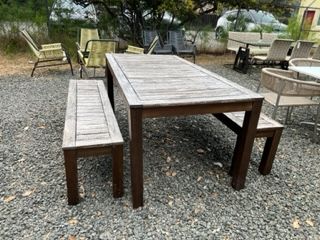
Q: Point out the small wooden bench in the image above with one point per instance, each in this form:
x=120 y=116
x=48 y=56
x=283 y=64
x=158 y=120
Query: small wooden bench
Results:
x=267 y=127
x=90 y=129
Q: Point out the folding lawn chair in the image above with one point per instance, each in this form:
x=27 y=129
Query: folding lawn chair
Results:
x=53 y=53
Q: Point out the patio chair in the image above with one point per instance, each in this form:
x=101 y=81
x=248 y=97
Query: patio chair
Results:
x=180 y=47
x=84 y=36
x=316 y=54
x=277 y=52
x=138 y=50
x=300 y=50
x=96 y=56
x=53 y=53
x=286 y=91
x=160 y=48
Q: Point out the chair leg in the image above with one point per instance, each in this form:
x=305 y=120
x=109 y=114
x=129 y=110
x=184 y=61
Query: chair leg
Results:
x=117 y=171
x=274 y=112
x=34 y=67
x=287 y=116
x=80 y=71
x=69 y=61
x=86 y=72
x=316 y=123
x=269 y=152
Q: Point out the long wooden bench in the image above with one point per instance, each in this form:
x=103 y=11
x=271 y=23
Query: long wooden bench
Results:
x=267 y=127
x=90 y=129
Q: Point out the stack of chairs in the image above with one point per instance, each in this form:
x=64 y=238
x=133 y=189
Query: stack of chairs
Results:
x=160 y=47
x=180 y=46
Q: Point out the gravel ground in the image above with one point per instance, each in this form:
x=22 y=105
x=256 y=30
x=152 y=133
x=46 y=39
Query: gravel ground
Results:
x=187 y=189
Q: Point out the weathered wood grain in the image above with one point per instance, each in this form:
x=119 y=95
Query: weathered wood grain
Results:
x=90 y=129
x=89 y=119
x=69 y=135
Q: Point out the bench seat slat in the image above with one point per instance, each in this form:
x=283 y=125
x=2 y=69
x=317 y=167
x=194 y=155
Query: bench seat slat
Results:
x=92 y=121
x=84 y=127
x=93 y=143
x=93 y=136
x=114 y=130
x=91 y=131
x=69 y=135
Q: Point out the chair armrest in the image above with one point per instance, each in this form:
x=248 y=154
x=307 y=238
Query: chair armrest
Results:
x=189 y=41
x=80 y=54
x=81 y=57
x=78 y=45
x=51 y=46
x=133 y=49
x=52 y=53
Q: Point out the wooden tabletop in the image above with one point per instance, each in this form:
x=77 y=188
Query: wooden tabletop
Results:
x=157 y=80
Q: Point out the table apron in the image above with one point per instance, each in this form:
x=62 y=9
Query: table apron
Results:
x=196 y=109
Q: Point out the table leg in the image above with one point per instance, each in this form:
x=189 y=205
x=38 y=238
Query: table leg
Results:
x=245 y=144
x=136 y=156
x=70 y=162
x=241 y=62
x=110 y=86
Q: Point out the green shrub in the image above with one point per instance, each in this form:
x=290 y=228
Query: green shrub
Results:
x=293 y=29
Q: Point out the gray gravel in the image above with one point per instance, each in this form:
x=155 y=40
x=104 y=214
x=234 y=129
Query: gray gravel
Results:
x=187 y=188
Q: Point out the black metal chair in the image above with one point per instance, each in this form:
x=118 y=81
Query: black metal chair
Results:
x=180 y=46
x=160 y=48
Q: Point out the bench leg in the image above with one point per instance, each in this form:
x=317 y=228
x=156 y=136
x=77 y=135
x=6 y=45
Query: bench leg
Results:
x=269 y=152
x=70 y=162
x=117 y=170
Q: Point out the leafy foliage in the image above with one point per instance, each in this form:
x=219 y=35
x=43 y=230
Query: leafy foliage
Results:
x=293 y=29
x=24 y=10
x=129 y=17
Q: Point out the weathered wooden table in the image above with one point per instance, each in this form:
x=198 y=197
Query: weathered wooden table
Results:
x=166 y=85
